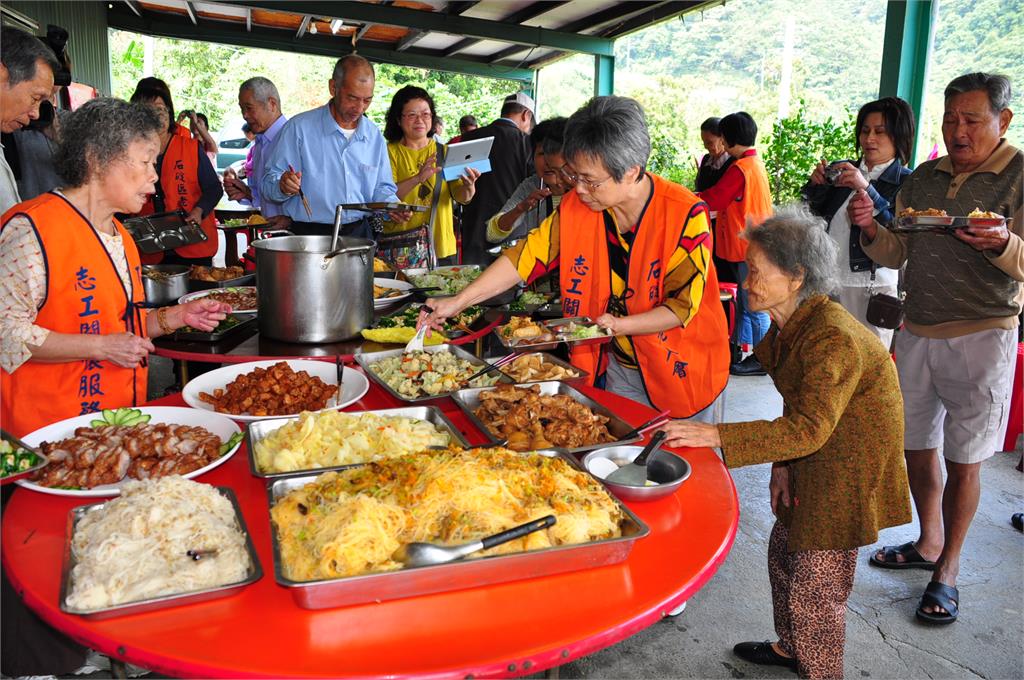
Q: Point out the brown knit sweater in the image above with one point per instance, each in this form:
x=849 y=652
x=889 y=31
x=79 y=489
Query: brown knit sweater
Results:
x=841 y=432
x=953 y=289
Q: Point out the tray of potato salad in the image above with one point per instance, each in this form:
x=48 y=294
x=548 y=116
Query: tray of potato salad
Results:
x=335 y=440
x=427 y=375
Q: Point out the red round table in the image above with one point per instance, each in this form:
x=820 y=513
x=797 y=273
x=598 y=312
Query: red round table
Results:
x=500 y=630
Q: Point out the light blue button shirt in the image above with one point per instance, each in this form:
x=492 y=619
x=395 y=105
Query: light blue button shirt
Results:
x=263 y=146
x=334 y=169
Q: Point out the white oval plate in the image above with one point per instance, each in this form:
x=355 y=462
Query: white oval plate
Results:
x=355 y=386
x=203 y=293
x=380 y=303
x=216 y=423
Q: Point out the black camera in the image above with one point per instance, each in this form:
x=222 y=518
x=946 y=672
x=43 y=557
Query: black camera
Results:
x=832 y=173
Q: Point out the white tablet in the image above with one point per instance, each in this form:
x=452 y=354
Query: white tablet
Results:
x=461 y=155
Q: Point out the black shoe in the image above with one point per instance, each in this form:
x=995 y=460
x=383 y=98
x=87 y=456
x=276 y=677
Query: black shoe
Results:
x=763 y=654
x=749 y=366
x=1017 y=520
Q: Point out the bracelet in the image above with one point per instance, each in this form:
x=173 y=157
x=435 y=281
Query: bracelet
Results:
x=161 y=319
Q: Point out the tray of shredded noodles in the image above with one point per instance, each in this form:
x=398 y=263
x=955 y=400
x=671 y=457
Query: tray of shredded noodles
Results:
x=138 y=552
x=334 y=534
x=334 y=440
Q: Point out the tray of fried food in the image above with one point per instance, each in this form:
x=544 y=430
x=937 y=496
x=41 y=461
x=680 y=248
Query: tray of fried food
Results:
x=986 y=218
x=522 y=332
x=927 y=219
x=542 y=367
x=542 y=415
x=203 y=278
x=334 y=535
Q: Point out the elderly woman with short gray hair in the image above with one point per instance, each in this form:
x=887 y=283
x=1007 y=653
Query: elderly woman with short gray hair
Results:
x=837 y=474
x=74 y=334
x=633 y=252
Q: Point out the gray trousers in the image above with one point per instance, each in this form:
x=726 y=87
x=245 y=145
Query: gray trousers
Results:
x=626 y=382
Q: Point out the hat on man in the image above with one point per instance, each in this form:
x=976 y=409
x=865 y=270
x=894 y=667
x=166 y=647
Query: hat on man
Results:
x=523 y=99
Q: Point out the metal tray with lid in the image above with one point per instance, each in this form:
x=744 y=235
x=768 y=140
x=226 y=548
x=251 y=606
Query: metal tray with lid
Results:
x=163 y=231
x=466 y=573
x=259 y=430
x=469 y=401
x=253 y=574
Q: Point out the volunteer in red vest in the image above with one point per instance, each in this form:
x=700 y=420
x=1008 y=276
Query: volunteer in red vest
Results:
x=633 y=251
x=187 y=180
x=740 y=197
x=72 y=338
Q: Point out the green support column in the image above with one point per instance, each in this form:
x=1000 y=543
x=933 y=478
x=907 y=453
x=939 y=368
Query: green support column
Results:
x=604 y=75
x=909 y=27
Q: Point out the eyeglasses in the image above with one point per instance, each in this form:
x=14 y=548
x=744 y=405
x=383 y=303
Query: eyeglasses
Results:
x=576 y=179
x=417 y=116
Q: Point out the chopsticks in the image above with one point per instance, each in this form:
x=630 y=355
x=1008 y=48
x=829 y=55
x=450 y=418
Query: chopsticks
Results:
x=656 y=421
x=507 y=359
x=302 y=195
x=340 y=366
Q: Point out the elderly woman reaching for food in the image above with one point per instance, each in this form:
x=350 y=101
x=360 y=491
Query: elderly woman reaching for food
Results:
x=74 y=335
x=837 y=474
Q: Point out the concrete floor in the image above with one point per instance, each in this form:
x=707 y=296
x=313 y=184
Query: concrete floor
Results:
x=884 y=639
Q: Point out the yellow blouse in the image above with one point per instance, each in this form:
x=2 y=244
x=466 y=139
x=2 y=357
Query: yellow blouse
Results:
x=405 y=163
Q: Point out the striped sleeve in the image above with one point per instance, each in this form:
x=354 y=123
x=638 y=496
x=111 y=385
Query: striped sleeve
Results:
x=688 y=267
x=537 y=254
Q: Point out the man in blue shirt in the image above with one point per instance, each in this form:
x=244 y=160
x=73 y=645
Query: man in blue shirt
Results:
x=334 y=154
x=260 y=104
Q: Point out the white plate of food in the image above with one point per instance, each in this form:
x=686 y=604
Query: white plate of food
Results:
x=318 y=388
x=114 y=448
x=243 y=299
x=389 y=291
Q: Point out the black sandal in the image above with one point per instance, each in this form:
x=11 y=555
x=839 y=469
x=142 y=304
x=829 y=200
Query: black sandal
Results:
x=1017 y=520
x=911 y=558
x=939 y=595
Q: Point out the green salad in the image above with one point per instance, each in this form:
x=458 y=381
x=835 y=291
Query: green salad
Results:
x=450 y=281
x=527 y=299
x=408 y=317
x=13 y=461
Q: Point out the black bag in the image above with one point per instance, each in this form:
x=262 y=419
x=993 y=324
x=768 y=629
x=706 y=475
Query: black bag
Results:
x=884 y=311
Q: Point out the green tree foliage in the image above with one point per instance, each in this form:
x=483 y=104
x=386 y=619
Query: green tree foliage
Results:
x=795 y=146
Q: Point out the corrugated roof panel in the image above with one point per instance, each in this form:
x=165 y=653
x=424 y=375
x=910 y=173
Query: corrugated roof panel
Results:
x=220 y=9
x=496 y=10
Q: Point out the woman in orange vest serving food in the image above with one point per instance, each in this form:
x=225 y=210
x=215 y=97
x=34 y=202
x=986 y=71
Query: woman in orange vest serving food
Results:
x=73 y=337
x=633 y=251
x=186 y=178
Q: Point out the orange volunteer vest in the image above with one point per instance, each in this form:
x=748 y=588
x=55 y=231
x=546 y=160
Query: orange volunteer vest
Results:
x=753 y=205
x=84 y=295
x=179 y=179
x=683 y=369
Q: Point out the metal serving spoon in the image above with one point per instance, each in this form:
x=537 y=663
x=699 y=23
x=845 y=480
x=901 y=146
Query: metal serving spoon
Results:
x=635 y=473
x=426 y=554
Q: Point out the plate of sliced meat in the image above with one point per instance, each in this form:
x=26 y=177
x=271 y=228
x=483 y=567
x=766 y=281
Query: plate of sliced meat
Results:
x=92 y=455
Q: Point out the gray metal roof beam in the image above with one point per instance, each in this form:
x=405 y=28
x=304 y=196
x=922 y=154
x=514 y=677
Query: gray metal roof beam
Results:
x=361 y=12
x=409 y=40
x=459 y=7
x=134 y=6
x=263 y=37
x=303 y=26
x=248 y=19
x=363 y=30
x=191 y=13
x=663 y=11
x=531 y=11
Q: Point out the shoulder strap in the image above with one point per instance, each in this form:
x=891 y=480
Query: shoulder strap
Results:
x=435 y=199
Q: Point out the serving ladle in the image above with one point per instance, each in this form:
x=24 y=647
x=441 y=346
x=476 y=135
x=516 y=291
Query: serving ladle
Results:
x=635 y=473
x=426 y=554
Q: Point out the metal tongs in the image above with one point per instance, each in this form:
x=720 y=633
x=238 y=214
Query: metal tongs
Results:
x=507 y=359
x=340 y=366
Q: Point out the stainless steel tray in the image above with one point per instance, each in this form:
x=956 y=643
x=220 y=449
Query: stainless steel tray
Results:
x=467 y=573
x=553 y=325
x=158 y=232
x=244 y=280
x=945 y=224
x=368 y=359
x=469 y=400
x=246 y=322
x=260 y=429
x=581 y=376
x=254 y=574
